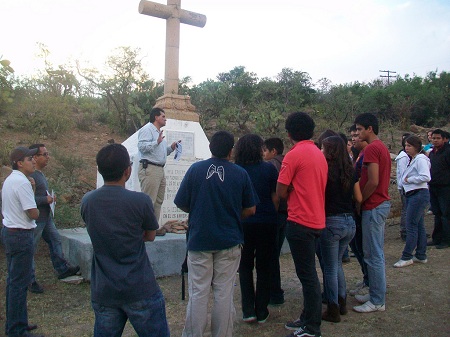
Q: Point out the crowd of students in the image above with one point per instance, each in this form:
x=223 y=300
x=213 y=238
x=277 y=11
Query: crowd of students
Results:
x=243 y=202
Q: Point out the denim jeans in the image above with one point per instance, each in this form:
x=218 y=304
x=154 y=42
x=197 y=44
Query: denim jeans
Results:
x=47 y=230
x=416 y=236
x=357 y=248
x=259 y=244
x=19 y=256
x=276 y=292
x=403 y=212
x=148 y=318
x=440 y=205
x=334 y=240
x=302 y=242
x=373 y=223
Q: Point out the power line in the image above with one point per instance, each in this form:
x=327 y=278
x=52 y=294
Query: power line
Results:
x=389 y=72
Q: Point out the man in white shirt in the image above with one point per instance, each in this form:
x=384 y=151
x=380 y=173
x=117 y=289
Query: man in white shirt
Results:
x=20 y=212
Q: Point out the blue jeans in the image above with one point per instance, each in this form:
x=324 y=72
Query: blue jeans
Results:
x=373 y=223
x=416 y=236
x=19 y=256
x=302 y=242
x=403 y=212
x=51 y=236
x=148 y=318
x=334 y=240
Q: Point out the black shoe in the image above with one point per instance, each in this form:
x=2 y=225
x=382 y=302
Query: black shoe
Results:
x=345 y=259
x=294 y=325
x=442 y=246
x=303 y=332
x=71 y=271
x=432 y=243
x=35 y=288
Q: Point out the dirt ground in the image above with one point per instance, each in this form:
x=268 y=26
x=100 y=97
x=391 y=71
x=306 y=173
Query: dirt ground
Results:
x=418 y=301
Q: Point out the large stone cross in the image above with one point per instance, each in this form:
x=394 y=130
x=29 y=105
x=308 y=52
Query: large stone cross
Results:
x=173 y=15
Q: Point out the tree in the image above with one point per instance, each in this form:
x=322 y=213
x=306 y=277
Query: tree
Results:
x=121 y=85
x=6 y=86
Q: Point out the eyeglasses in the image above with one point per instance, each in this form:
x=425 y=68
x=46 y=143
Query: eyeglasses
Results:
x=45 y=154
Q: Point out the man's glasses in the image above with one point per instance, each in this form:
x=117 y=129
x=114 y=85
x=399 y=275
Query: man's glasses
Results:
x=45 y=154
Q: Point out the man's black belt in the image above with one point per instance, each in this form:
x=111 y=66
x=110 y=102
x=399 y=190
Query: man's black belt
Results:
x=146 y=162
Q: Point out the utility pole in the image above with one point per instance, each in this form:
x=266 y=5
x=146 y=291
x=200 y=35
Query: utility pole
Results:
x=389 y=72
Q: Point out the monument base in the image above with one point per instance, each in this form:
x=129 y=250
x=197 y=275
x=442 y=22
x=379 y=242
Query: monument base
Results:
x=177 y=107
x=166 y=253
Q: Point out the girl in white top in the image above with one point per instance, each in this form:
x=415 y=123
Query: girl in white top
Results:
x=414 y=181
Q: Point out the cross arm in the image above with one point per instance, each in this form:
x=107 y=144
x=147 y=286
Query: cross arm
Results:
x=164 y=12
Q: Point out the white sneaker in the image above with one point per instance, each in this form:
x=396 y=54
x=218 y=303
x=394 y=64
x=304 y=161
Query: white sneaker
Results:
x=362 y=298
x=403 y=263
x=361 y=289
x=415 y=259
x=369 y=307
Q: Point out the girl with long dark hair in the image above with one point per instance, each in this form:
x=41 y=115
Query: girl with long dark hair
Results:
x=259 y=229
x=342 y=187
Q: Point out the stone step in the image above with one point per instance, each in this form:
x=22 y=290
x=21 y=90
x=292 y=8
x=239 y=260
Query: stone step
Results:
x=166 y=253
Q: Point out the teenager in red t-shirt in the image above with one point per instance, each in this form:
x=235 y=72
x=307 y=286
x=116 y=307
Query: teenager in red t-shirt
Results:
x=374 y=182
x=302 y=180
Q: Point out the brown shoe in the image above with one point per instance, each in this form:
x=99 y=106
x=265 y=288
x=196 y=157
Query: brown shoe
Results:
x=161 y=231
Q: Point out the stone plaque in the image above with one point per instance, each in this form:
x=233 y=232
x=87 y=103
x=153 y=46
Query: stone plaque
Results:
x=187 y=141
x=174 y=175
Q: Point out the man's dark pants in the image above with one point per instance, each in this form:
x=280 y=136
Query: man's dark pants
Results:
x=357 y=248
x=440 y=204
x=276 y=292
x=302 y=242
x=19 y=249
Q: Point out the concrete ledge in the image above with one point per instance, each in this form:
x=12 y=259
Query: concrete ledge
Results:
x=166 y=253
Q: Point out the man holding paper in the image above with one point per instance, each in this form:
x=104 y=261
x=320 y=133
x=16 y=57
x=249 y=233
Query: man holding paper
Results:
x=45 y=225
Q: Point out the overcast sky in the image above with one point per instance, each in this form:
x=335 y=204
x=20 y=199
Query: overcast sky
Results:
x=345 y=41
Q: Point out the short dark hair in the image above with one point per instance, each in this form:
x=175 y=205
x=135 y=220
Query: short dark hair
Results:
x=415 y=142
x=36 y=146
x=274 y=143
x=439 y=132
x=352 y=128
x=221 y=144
x=300 y=126
x=248 y=150
x=155 y=112
x=112 y=161
x=368 y=119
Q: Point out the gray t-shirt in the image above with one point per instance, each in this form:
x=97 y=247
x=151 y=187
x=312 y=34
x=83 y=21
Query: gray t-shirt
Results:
x=116 y=218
